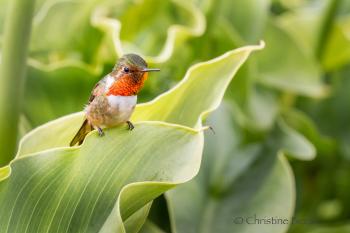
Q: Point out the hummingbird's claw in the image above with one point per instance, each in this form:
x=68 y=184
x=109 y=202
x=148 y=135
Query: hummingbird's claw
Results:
x=100 y=132
x=130 y=125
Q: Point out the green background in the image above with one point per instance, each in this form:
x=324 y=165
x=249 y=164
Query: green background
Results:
x=289 y=104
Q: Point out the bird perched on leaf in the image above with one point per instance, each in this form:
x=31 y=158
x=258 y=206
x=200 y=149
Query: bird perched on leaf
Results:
x=114 y=97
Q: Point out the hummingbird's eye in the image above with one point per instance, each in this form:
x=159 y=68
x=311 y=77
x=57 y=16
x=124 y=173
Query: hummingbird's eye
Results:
x=126 y=69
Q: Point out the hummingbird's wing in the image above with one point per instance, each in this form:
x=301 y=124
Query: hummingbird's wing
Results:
x=98 y=89
x=93 y=95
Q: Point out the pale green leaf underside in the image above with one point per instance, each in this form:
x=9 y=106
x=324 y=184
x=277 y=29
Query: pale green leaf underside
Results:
x=51 y=187
x=75 y=189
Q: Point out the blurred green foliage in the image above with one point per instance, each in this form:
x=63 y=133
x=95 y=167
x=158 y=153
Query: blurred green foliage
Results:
x=293 y=94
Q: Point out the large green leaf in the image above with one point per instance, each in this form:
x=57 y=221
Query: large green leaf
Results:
x=86 y=181
x=97 y=186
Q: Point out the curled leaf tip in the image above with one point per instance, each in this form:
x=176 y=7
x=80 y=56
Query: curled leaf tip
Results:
x=208 y=127
x=261 y=44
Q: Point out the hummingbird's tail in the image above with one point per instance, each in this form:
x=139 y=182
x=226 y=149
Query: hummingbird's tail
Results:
x=81 y=134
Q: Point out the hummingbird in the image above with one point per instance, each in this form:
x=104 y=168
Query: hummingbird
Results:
x=114 y=97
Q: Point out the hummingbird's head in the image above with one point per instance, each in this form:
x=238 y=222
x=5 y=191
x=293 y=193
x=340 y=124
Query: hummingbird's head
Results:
x=131 y=71
x=133 y=65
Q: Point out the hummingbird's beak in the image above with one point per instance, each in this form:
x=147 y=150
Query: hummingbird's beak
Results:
x=150 y=70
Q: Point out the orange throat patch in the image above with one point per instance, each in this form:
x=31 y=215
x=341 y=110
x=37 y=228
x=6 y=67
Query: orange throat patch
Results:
x=126 y=86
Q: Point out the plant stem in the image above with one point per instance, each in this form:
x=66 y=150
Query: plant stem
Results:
x=12 y=73
x=326 y=27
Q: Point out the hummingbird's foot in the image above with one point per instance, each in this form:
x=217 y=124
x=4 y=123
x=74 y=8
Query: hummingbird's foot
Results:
x=130 y=125
x=100 y=132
